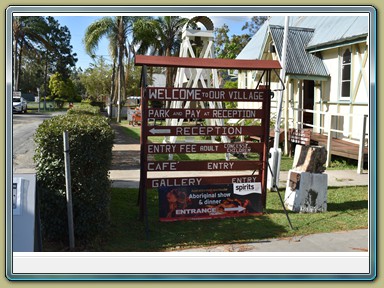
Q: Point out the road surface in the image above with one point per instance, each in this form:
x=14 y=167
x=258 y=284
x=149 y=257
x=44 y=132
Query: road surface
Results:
x=24 y=127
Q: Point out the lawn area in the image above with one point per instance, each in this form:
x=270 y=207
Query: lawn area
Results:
x=347 y=210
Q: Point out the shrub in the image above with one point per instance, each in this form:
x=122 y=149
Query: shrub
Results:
x=84 y=109
x=99 y=104
x=90 y=141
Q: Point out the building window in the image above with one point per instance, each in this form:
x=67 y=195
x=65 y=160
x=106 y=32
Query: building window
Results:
x=346 y=75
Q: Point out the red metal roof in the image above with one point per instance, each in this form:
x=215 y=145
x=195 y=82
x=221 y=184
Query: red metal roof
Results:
x=168 y=61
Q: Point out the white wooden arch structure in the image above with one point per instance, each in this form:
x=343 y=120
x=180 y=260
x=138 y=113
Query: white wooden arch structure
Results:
x=197 y=43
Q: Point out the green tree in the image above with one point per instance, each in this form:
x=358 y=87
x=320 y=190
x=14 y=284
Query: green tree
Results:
x=79 y=87
x=28 y=32
x=117 y=30
x=228 y=47
x=61 y=58
x=32 y=73
x=162 y=36
x=96 y=80
x=61 y=89
x=254 y=24
x=40 y=47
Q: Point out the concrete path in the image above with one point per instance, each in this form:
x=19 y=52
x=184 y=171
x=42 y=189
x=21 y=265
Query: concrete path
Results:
x=343 y=241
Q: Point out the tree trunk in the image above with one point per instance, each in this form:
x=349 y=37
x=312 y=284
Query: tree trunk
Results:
x=15 y=86
x=120 y=69
x=111 y=95
x=168 y=80
x=19 y=66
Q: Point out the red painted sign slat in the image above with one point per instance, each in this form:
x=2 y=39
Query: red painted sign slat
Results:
x=176 y=148
x=205 y=130
x=202 y=165
x=196 y=181
x=206 y=94
x=159 y=113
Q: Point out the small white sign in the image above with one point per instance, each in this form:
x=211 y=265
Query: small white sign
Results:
x=16 y=195
x=247 y=188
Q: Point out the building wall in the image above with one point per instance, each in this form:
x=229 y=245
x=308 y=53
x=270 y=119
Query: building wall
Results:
x=348 y=112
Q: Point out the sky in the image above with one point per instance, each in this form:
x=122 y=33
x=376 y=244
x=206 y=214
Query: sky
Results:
x=78 y=24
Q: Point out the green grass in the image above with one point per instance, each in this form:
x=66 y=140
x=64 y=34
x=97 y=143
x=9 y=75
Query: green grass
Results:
x=347 y=210
x=341 y=163
x=50 y=106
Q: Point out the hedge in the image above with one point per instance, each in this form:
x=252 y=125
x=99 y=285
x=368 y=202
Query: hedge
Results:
x=84 y=109
x=90 y=141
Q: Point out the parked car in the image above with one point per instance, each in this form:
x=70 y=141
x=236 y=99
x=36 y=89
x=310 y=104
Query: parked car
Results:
x=19 y=105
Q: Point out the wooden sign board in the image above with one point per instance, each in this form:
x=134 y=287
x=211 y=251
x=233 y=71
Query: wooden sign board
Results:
x=193 y=184
x=206 y=94
x=182 y=148
x=194 y=187
x=300 y=136
x=204 y=130
x=160 y=113
x=198 y=181
x=202 y=165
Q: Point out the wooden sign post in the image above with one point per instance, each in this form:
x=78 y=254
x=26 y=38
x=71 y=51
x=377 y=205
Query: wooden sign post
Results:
x=205 y=196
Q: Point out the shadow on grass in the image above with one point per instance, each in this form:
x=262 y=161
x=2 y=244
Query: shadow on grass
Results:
x=128 y=234
x=350 y=205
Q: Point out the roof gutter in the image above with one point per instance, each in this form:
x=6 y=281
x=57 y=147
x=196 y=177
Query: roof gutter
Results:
x=336 y=44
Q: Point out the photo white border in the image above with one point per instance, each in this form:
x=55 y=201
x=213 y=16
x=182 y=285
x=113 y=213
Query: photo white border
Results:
x=273 y=266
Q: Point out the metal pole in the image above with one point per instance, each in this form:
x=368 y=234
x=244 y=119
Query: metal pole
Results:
x=38 y=96
x=329 y=141
x=68 y=191
x=45 y=81
x=275 y=153
x=360 y=163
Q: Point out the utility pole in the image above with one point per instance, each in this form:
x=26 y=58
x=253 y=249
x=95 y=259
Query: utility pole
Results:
x=38 y=96
x=68 y=191
x=276 y=151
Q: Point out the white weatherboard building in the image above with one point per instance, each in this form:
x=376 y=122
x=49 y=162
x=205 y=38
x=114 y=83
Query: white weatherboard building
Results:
x=327 y=72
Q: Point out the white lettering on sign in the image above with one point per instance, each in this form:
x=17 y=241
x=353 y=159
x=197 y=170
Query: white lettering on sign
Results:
x=162 y=148
x=162 y=113
x=180 y=182
x=237 y=148
x=234 y=113
x=176 y=94
x=246 y=95
x=247 y=188
x=200 y=130
x=220 y=165
x=243 y=179
x=192 y=113
x=208 y=148
x=215 y=95
x=196 y=211
x=162 y=166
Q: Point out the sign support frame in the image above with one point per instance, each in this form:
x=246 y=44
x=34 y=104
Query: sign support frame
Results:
x=165 y=61
x=143 y=207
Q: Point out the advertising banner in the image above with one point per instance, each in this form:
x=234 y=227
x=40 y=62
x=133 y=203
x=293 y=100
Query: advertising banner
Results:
x=210 y=201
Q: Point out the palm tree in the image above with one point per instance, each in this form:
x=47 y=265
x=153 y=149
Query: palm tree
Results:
x=162 y=36
x=116 y=29
x=28 y=33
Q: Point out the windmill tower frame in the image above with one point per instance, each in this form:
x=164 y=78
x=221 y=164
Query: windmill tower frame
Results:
x=197 y=43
